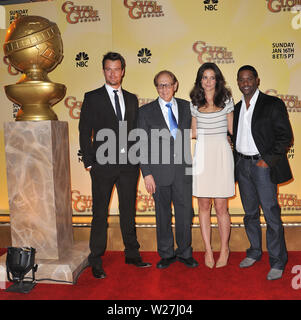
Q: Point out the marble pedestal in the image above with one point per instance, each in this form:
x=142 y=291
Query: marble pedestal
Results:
x=39 y=191
x=66 y=270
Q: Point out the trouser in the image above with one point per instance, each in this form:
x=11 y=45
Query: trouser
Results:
x=257 y=190
x=102 y=186
x=180 y=194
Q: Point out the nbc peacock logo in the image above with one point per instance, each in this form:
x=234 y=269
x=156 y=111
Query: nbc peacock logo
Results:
x=82 y=59
x=144 y=55
x=210 y=5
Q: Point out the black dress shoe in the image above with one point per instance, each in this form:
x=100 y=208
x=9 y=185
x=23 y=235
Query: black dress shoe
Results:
x=189 y=262
x=137 y=262
x=98 y=273
x=165 y=262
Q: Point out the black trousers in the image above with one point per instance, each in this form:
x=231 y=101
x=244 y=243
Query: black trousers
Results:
x=180 y=194
x=102 y=186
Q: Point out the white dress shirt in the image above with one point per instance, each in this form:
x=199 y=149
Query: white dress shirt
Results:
x=164 y=109
x=111 y=93
x=244 y=142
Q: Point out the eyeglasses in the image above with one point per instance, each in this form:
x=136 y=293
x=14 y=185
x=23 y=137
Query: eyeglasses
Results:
x=165 y=85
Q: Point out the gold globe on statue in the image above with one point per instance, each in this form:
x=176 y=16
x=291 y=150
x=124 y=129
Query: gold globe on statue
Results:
x=33 y=45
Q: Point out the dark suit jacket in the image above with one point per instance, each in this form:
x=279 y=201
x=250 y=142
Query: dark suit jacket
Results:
x=151 y=118
x=272 y=134
x=98 y=113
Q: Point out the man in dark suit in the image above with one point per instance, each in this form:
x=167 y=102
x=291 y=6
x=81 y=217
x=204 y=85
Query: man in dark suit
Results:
x=104 y=112
x=166 y=169
x=262 y=135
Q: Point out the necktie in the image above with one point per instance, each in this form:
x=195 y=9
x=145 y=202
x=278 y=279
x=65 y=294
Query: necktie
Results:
x=117 y=106
x=173 y=126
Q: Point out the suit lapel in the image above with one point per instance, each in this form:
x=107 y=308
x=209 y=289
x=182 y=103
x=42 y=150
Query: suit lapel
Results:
x=159 y=115
x=126 y=104
x=257 y=109
x=180 y=114
x=107 y=104
x=236 y=118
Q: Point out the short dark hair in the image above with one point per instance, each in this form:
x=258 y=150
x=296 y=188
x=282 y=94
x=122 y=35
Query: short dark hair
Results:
x=169 y=73
x=250 y=68
x=113 y=56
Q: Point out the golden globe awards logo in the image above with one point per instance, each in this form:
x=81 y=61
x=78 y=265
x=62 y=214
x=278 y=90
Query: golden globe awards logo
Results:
x=74 y=107
x=282 y=5
x=145 y=202
x=292 y=103
x=143 y=9
x=289 y=201
x=207 y=53
x=81 y=203
x=293 y=6
x=79 y=13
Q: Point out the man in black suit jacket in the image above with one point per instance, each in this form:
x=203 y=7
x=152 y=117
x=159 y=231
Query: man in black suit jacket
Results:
x=262 y=135
x=166 y=168
x=105 y=112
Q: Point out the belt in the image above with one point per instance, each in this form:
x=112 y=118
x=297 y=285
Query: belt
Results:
x=254 y=157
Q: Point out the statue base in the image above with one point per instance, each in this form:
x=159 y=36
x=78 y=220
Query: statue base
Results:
x=39 y=188
x=65 y=270
x=39 y=191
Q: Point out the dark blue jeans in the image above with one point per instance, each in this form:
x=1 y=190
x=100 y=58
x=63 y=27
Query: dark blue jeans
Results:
x=257 y=190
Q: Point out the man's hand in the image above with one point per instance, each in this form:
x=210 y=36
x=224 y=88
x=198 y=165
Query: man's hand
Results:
x=262 y=163
x=150 y=184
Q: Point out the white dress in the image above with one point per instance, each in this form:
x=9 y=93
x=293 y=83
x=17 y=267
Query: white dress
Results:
x=213 y=165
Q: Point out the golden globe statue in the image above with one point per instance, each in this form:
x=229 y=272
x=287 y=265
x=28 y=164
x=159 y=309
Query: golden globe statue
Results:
x=34 y=46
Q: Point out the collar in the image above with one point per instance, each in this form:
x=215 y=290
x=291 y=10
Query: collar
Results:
x=253 y=99
x=111 y=89
x=163 y=103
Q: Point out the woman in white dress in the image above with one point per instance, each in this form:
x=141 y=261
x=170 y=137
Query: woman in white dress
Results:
x=213 y=166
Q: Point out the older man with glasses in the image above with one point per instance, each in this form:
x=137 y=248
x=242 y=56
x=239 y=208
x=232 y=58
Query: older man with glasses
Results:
x=165 y=169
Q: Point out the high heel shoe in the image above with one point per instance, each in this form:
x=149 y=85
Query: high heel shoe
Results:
x=209 y=261
x=222 y=260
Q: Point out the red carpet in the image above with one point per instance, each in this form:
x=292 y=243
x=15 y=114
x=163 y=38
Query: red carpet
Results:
x=126 y=282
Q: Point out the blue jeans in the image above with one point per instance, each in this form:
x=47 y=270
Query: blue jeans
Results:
x=257 y=190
